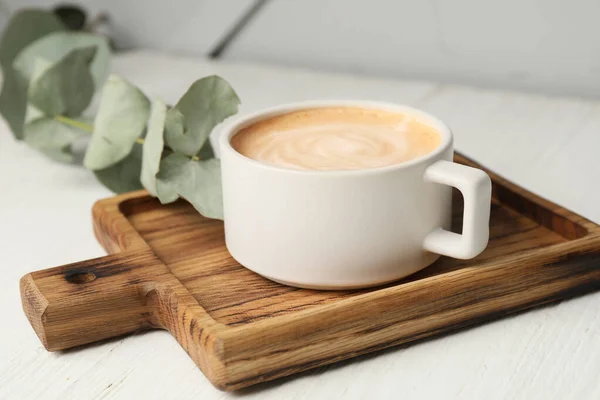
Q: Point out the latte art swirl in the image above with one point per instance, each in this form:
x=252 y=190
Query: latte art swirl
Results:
x=336 y=139
x=332 y=146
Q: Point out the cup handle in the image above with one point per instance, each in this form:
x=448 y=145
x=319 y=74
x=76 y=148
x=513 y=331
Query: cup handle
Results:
x=476 y=188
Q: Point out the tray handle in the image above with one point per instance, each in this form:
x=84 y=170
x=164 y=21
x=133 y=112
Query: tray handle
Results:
x=92 y=300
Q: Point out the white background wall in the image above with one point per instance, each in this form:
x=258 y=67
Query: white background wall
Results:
x=541 y=45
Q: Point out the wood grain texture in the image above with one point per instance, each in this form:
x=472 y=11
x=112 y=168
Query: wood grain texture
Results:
x=171 y=270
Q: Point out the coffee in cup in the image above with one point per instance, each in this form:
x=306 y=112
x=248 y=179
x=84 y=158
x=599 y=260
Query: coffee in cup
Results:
x=337 y=138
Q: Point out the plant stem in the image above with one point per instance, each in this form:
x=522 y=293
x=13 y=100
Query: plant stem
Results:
x=74 y=123
x=139 y=140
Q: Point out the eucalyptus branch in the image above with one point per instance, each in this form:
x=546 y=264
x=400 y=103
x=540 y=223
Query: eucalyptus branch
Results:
x=57 y=71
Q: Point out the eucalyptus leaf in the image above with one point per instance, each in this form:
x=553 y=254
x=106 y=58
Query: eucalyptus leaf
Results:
x=67 y=87
x=206 y=152
x=206 y=103
x=123 y=176
x=24 y=28
x=153 y=146
x=13 y=101
x=121 y=119
x=57 y=45
x=198 y=182
x=174 y=126
x=32 y=113
x=52 y=138
x=40 y=66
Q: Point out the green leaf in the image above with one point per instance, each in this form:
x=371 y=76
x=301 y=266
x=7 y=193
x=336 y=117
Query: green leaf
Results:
x=57 y=45
x=52 y=138
x=24 y=28
x=123 y=176
x=153 y=146
x=13 y=101
x=198 y=182
x=67 y=87
x=32 y=114
x=206 y=103
x=121 y=119
x=40 y=66
x=206 y=152
x=174 y=126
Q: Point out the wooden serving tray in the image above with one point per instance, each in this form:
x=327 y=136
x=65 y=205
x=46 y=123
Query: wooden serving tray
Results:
x=170 y=269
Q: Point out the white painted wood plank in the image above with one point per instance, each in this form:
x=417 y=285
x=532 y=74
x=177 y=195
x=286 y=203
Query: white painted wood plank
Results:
x=547 y=144
x=550 y=46
x=187 y=26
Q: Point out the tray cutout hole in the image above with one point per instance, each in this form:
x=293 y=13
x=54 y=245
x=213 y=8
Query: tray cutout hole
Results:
x=79 y=278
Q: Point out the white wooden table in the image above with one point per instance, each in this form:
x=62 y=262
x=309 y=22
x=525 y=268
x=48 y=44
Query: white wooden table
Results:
x=549 y=145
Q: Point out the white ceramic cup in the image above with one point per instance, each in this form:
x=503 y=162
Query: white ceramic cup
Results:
x=352 y=228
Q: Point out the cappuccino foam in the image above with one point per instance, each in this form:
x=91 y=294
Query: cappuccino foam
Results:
x=337 y=138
